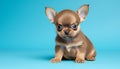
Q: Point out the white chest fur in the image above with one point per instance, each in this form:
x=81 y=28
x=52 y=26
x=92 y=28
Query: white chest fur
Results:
x=71 y=45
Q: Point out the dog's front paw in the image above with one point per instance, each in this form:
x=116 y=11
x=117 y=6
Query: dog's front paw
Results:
x=55 y=60
x=79 y=60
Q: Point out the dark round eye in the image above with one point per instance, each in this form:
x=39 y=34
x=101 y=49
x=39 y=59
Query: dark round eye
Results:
x=74 y=26
x=59 y=27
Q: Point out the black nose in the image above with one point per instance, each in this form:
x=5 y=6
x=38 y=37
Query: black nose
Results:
x=66 y=32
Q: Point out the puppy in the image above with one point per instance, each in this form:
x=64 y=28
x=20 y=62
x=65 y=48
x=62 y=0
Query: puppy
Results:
x=71 y=43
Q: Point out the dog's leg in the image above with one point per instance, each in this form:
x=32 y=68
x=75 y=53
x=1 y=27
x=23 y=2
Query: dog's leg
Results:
x=80 y=56
x=59 y=54
x=91 y=55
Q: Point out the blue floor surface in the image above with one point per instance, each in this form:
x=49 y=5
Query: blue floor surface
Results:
x=39 y=59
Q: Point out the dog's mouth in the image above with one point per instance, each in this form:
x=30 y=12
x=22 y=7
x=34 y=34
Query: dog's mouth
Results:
x=67 y=37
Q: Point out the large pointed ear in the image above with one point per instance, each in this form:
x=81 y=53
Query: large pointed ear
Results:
x=50 y=13
x=82 y=12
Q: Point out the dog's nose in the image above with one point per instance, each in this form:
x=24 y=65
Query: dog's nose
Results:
x=67 y=32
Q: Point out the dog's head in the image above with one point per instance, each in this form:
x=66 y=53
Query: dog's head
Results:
x=67 y=21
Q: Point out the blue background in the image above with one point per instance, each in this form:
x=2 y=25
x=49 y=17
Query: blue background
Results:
x=27 y=38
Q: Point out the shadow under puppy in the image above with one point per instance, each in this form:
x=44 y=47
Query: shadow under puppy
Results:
x=71 y=43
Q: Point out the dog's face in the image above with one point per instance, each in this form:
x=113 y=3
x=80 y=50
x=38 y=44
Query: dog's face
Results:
x=67 y=21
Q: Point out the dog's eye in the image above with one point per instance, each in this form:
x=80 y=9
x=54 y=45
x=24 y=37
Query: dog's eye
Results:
x=74 y=26
x=59 y=27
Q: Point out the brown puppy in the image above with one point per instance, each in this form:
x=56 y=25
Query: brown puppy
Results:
x=71 y=43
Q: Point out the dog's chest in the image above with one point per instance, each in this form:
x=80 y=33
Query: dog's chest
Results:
x=69 y=48
x=74 y=45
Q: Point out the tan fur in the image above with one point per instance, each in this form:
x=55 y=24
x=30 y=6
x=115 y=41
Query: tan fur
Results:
x=75 y=45
x=59 y=54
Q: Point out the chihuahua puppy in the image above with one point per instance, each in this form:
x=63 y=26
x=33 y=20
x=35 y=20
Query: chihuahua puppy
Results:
x=71 y=43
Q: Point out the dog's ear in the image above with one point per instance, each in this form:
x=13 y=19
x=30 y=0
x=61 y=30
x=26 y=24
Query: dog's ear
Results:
x=82 y=12
x=51 y=13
